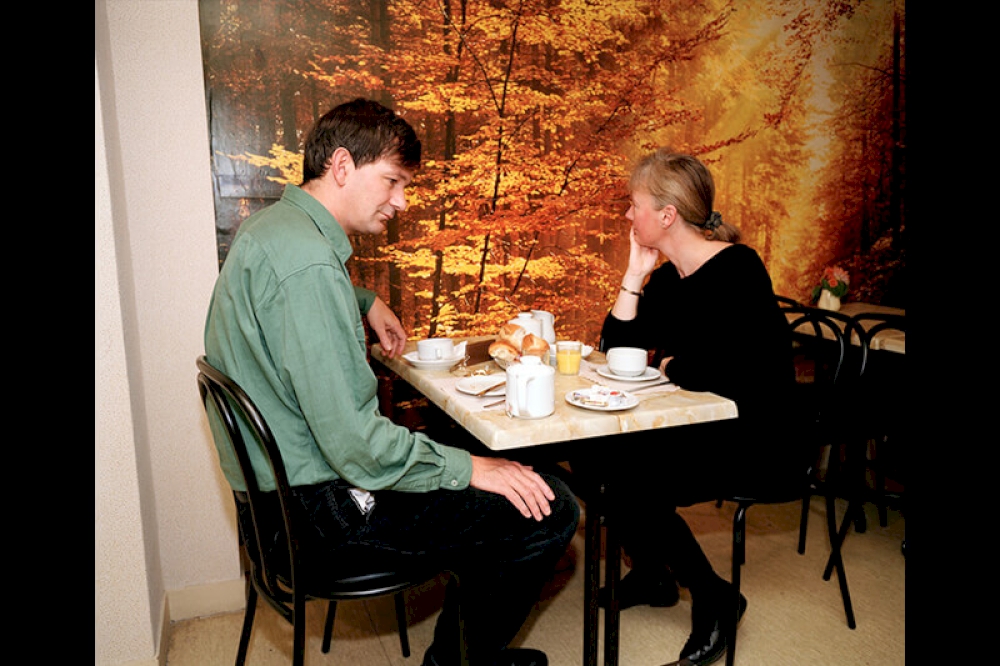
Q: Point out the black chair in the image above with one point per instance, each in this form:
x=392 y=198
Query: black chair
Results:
x=276 y=566
x=825 y=370
x=882 y=410
x=828 y=368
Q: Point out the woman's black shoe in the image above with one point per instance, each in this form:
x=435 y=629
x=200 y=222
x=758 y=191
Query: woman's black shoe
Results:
x=707 y=642
x=636 y=589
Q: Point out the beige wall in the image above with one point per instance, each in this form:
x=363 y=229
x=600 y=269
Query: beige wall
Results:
x=164 y=530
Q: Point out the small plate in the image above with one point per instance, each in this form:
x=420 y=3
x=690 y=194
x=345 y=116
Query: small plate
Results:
x=628 y=401
x=650 y=373
x=438 y=363
x=473 y=385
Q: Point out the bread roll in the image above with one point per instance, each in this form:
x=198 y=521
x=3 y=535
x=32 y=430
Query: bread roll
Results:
x=513 y=334
x=534 y=345
x=502 y=350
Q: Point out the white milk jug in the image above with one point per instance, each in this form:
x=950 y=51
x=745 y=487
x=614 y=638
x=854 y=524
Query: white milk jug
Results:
x=548 y=325
x=527 y=321
x=531 y=389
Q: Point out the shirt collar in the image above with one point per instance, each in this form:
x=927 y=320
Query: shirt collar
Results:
x=325 y=222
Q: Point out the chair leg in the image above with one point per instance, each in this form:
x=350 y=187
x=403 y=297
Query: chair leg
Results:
x=841 y=534
x=299 y=630
x=331 y=613
x=739 y=557
x=882 y=502
x=804 y=523
x=404 y=637
x=835 y=559
x=241 y=654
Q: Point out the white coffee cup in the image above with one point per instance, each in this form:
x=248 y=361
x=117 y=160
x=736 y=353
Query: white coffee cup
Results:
x=435 y=349
x=627 y=361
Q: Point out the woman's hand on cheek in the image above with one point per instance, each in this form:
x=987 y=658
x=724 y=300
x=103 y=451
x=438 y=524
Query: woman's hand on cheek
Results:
x=641 y=260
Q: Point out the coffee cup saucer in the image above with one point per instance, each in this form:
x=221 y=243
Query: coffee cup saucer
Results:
x=647 y=375
x=433 y=364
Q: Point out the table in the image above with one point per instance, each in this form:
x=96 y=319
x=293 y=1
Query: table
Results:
x=570 y=426
x=894 y=341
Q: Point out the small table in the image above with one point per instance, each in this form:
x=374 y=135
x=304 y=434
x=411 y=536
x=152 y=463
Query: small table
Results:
x=894 y=341
x=569 y=426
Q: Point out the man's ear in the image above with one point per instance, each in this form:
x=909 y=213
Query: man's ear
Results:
x=340 y=165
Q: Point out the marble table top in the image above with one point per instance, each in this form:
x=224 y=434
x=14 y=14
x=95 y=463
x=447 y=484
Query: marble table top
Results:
x=894 y=341
x=659 y=407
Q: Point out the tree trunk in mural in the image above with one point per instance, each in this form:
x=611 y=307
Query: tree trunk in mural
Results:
x=896 y=164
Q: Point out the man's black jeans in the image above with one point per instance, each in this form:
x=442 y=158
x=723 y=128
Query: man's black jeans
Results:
x=501 y=559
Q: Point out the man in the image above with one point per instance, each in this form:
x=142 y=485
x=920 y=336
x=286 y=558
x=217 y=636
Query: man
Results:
x=285 y=323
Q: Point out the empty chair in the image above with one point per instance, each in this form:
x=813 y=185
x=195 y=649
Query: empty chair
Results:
x=881 y=408
x=824 y=370
x=277 y=569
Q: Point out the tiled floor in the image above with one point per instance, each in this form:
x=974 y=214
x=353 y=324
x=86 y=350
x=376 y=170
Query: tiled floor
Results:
x=794 y=618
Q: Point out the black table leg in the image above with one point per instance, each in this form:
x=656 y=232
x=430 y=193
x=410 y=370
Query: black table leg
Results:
x=592 y=582
x=612 y=574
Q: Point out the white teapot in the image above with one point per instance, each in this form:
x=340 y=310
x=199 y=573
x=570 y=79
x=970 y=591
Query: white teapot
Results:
x=531 y=389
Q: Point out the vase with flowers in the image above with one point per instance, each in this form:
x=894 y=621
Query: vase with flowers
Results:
x=831 y=289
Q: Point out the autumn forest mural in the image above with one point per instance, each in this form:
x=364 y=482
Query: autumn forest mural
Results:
x=531 y=113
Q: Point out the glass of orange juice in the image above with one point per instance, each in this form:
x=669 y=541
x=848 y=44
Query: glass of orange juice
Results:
x=568 y=354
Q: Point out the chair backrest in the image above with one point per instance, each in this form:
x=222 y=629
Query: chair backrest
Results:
x=883 y=322
x=269 y=568
x=828 y=364
x=884 y=379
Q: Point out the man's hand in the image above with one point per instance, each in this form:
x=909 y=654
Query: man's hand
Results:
x=385 y=324
x=519 y=483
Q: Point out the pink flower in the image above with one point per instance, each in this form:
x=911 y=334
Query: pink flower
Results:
x=835 y=280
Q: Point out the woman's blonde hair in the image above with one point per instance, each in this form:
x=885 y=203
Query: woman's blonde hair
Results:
x=684 y=182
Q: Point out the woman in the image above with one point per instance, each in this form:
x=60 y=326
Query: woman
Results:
x=710 y=317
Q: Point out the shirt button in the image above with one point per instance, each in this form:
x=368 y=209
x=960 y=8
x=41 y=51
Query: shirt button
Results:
x=454 y=482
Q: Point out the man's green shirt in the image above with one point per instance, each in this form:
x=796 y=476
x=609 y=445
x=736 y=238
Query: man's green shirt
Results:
x=285 y=324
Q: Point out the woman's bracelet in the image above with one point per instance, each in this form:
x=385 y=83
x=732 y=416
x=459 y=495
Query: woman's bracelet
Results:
x=629 y=291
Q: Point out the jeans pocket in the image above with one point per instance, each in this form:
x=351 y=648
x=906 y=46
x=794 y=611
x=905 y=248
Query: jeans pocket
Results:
x=330 y=511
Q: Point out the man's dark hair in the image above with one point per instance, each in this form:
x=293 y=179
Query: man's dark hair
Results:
x=367 y=129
